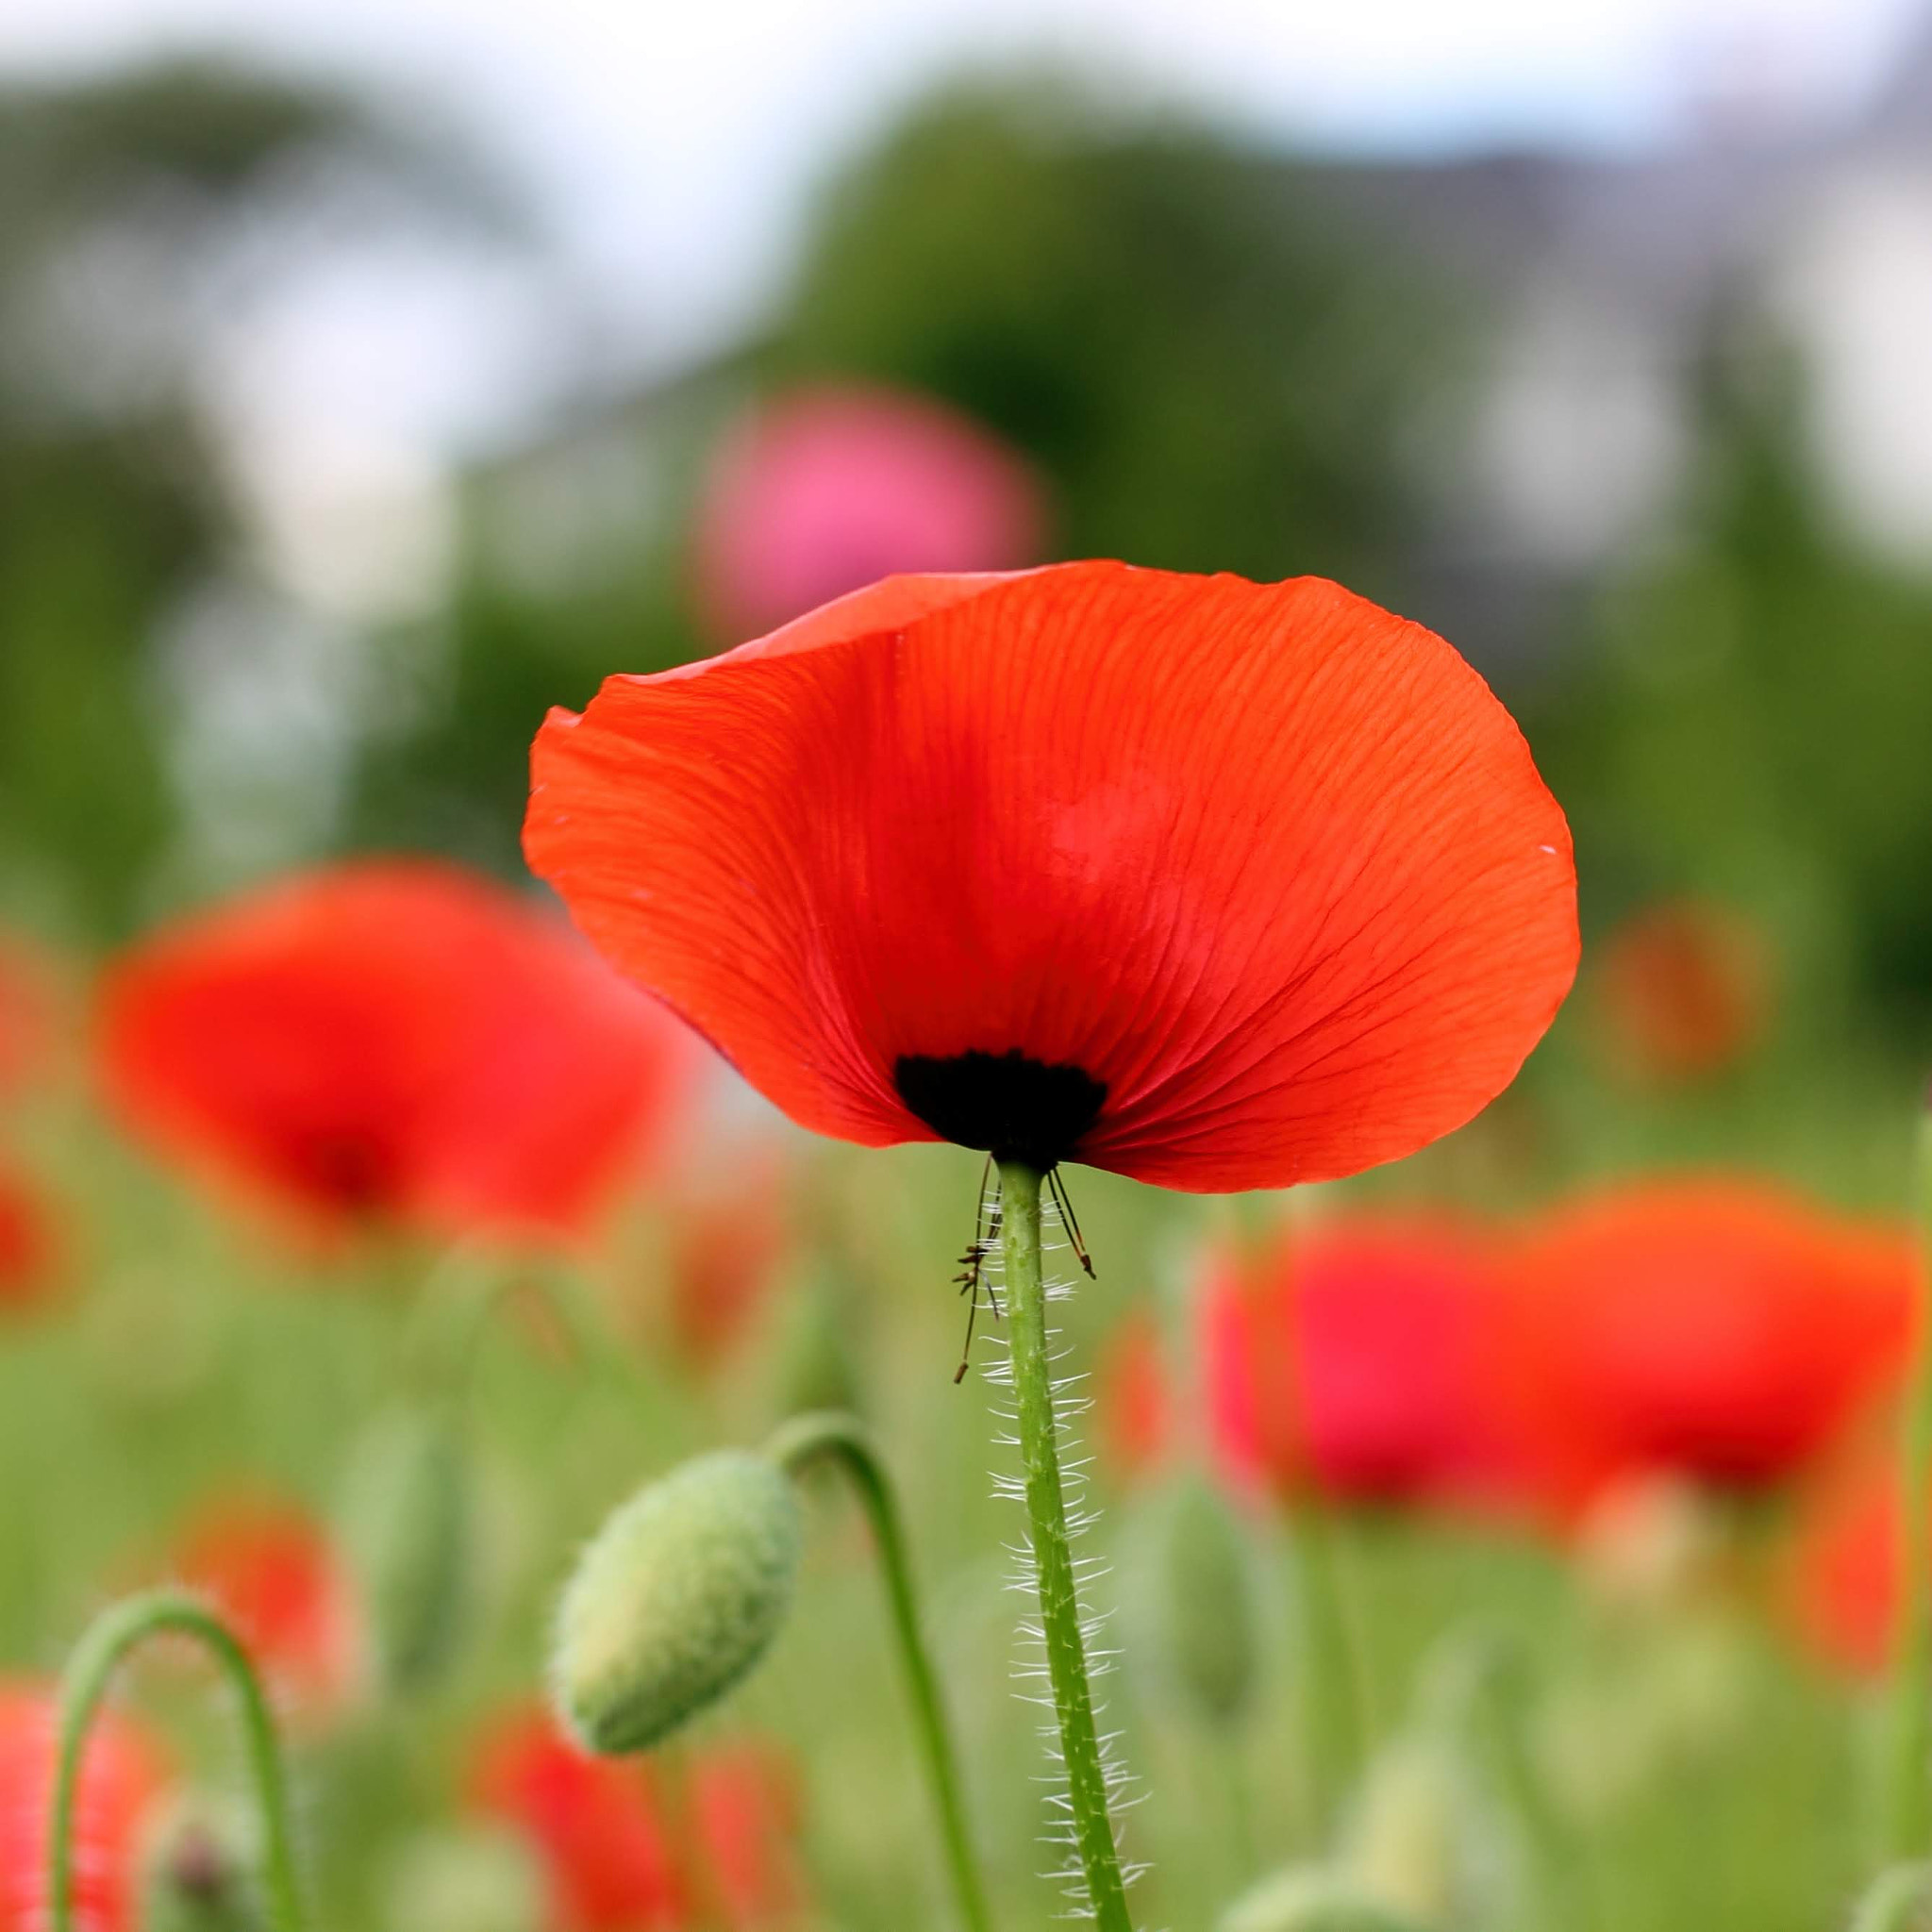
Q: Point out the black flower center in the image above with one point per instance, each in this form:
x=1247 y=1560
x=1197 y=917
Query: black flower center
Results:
x=1015 y=1108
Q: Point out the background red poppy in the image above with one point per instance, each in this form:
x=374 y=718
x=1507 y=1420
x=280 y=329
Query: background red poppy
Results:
x=391 y=1038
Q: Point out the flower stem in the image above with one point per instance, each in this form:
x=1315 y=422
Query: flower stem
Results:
x=841 y=1438
x=1908 y=1792
x=1046 y=1509
x=90 y=1671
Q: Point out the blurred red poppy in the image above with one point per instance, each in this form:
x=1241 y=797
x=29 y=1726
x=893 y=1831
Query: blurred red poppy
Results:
x=1684 y=989
x=1844 y=1567
x=826 y=490
x=1134 y=1398
x=727 y=1237
x=1358 y=1357
x=121 y=1774
x=744 y=1807
x=29 y=1245
x=599 y=1826
x=274 y=1571
x=392 y=1039
x=1720 y=1328
x=1216 y=884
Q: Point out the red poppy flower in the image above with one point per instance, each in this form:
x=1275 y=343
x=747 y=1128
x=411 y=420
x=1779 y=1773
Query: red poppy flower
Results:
x=1134 y=1400
x=1721 y=1328
x=829 y=489
x=597 y=1825
x=119 y=1777
x=1216 y=884
x=726 y=1248
x=1844 y=1567
x=1684 y=989
x=1360 y=1356
x=29 y=1246
x=391 y=1038
x=273 y=1573
x=744 y=1807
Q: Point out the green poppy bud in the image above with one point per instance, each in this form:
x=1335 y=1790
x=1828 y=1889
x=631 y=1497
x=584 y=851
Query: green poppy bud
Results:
x=1204 y=1597
x=195 y=1875
x=1421 y=1836
x=678 y=1597
x=406 y=1526
x=1309 y=1899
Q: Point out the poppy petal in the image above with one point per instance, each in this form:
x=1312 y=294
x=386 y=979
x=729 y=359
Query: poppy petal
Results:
x=1270 y=867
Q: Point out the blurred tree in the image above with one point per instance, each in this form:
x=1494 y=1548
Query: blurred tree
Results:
x=1209 y=369
x=1756 y=718
x=123 y=201
x=1214 y=371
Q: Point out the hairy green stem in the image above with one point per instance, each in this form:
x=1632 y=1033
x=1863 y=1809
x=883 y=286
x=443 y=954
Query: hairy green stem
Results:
x=1046 y=1510
x=1897 y=1901
x=91 y=1669
x=832 y=1437
x=1909 y=1785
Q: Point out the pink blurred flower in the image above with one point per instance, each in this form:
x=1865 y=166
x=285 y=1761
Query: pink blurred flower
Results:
x=826 y=490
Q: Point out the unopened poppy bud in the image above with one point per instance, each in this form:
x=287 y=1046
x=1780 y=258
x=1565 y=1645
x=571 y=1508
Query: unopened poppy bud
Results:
x=1204 y=1596
x=1420 y=1838
x=678 y=1597
x=196 y=1875
x=406 y=1527
x=1307 y=1899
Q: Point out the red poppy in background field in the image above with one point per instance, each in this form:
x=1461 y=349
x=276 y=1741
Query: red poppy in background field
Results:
x=29 y=1245
x=1720 y=1328
x=826 y=490
x=599 y=1827
x=121 y=1774
x=742 y=1803
x=1684 y=990
x=274 y=1571
x=1844 y=1566
x=728 y=1237
x=1360 y=1357
x=392 y=1039
x=1134 y=1396
x=1216 y=884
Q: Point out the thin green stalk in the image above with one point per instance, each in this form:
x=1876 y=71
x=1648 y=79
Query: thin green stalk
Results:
x=1333 y=1702
x=1908 y=1787
x=840 y=1439
x=1896 y=1901
x=1046 y=1509
x=90 y=1671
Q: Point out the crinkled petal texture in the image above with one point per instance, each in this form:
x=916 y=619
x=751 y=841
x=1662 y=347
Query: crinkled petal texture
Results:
x=392 y=1039
x=1270 y=865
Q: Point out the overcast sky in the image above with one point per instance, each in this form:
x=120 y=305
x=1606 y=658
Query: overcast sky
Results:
x=672 y=140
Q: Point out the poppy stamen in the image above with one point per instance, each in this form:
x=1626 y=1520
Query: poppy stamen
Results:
x=973 y=1265
x=1070 y=1220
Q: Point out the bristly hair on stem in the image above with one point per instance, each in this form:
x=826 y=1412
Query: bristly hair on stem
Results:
x=1061 y=1650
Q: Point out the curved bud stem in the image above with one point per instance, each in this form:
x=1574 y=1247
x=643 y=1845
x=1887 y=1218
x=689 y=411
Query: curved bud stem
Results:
x=90 y=1671
x=1909 y=1782
x=1046 y=1510
x=829 y=1435
x=1895 y=1901
x=468 y=1289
